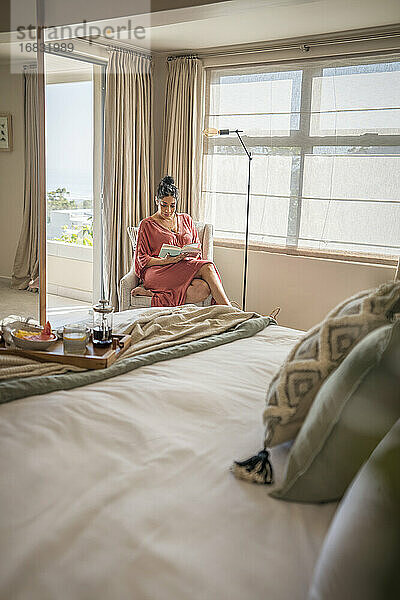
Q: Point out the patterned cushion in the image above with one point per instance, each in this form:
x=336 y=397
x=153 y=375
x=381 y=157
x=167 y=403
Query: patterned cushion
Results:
x=317 y=354
x=353 y=411
x=132 y=232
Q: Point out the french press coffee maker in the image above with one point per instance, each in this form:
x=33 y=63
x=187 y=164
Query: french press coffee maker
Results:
x=102 y=323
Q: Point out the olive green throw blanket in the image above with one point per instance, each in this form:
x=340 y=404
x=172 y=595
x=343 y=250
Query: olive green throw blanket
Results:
x=158 y=334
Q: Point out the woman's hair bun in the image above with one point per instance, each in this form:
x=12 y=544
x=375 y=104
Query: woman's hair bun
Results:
x=167 y=187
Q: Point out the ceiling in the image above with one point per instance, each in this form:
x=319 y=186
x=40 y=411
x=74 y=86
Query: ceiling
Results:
x=245 y=22
x=59 y=68
x=232 y=22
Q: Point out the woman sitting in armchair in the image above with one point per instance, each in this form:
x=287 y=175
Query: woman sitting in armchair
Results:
x=173 y=280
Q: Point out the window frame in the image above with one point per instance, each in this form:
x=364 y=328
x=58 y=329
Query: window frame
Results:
x=300 y=138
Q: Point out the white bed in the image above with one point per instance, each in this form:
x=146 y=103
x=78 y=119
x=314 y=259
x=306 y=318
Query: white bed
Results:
x=122 y=490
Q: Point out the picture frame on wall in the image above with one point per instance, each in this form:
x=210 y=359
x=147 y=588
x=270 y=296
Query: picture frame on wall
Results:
x=5 y=132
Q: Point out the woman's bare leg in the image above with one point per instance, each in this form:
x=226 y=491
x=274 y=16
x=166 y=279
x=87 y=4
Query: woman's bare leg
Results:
x=209 y=274
x=197 y=291
x=141 y=291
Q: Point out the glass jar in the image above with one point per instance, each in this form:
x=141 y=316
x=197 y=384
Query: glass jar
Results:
x=102 y=323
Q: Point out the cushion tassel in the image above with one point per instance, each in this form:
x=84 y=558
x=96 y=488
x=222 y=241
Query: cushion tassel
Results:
x=258 y=468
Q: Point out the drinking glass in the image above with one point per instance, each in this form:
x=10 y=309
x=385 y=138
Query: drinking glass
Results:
x=74 y=338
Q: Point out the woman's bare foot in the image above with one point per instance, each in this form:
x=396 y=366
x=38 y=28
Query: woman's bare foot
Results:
x=141 y=291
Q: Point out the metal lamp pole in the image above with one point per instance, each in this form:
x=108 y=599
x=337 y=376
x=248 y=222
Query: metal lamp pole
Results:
x=210 y=133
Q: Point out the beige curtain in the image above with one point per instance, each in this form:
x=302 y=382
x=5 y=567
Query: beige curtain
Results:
x=182 y=131
x=26 y=262
x=128 y=160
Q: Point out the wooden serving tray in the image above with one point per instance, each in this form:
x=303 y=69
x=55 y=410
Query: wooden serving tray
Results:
x=94 y=358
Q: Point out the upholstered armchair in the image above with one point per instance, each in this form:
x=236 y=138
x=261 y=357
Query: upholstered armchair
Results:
x=130 y=280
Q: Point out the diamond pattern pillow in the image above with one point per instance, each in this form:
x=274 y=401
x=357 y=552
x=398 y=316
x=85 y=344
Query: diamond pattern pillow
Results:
x=294 y=387
x=317 y=354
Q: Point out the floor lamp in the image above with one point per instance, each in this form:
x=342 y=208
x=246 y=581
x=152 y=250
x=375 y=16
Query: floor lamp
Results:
x=211 y=132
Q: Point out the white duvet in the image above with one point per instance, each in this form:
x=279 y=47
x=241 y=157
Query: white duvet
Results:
x=122 y=490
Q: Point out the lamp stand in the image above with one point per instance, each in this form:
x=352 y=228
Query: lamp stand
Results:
x=246 y=250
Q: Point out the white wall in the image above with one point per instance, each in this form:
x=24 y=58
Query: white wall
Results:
x=69 y=277
x=70 y=270
x=11 y=169
x=305 y=288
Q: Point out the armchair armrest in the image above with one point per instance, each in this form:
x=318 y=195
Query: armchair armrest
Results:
x=207 y=245
x=205 y=231
x=126 y=285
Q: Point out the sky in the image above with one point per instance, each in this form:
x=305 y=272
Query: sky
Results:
x=69 y=136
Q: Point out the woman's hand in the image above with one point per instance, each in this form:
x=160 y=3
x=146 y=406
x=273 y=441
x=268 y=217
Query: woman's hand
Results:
x=170 y=260
x=156 y=261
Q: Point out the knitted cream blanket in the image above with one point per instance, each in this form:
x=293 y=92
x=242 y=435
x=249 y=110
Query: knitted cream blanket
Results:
x=151 y=329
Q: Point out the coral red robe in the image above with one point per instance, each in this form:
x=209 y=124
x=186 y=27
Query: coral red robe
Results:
x=168 y=282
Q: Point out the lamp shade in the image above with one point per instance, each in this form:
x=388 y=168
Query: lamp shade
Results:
x=210 y=132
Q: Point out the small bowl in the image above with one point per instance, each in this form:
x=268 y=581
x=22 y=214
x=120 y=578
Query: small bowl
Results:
x=30 y=344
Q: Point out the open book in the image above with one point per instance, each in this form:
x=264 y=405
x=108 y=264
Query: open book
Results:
x=189 y=250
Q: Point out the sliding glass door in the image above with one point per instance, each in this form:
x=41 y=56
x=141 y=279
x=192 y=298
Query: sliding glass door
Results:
x=19 y=197
x=73 y=187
